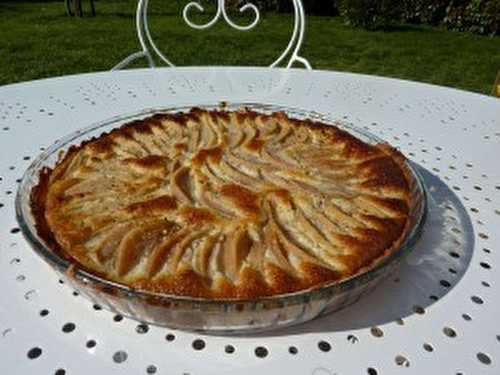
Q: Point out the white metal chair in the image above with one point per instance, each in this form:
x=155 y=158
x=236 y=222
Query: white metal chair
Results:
x=149 y=48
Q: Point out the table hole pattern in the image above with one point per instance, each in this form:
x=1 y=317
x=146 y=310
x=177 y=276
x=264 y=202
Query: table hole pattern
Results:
x=68 y=327
x=357 y=101
x=34 y=353
x=142 y=328
x=324 y=346
x=90 y=344
x=120 y=356
x=402 y=361
x=198 y=344
x=261 y=352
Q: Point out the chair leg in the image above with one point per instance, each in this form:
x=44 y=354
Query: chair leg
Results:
x=92 y=7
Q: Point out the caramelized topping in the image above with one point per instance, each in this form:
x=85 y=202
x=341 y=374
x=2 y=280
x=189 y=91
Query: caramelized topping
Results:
x=218 y=204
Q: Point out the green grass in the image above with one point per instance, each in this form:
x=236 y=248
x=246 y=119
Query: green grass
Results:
x=38 y=40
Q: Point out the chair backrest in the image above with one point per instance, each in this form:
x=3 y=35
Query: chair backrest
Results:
x=291 y=54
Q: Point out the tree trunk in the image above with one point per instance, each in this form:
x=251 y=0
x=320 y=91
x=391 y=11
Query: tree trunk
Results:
x=78 y=7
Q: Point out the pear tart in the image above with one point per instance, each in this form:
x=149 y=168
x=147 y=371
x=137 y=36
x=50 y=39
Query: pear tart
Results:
x=224 y=204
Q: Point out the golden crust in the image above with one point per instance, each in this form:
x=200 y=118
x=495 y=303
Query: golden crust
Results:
x=224 y=205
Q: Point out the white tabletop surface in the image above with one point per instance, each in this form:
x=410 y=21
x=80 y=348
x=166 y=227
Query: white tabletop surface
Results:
x=450 y=279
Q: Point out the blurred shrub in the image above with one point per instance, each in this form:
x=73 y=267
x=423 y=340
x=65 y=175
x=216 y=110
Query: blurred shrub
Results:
x=479 y=16
x=320 y=7
x=312 y=7
x=372 y=14
x=431 y=12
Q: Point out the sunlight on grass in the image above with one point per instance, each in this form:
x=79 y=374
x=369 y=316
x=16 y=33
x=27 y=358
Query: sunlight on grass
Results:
x=39 y=40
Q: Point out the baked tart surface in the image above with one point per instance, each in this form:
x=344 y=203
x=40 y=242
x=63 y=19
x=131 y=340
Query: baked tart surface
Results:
x=224 y=205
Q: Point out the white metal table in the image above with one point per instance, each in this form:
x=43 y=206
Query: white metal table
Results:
x=439 y=314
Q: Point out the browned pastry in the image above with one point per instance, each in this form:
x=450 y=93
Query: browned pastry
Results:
x=224 y=205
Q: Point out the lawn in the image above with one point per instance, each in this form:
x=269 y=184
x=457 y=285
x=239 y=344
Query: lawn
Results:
x=38 y=40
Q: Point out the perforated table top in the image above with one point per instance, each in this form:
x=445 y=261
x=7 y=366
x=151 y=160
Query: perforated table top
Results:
x=438 y=314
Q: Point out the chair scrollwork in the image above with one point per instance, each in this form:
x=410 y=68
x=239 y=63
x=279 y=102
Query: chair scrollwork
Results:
x=149 y=48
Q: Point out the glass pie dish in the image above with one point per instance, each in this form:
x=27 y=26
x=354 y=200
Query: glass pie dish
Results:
x=223 y=316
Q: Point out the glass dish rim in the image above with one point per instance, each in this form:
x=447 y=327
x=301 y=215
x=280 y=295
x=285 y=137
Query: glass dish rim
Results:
x=65 y=266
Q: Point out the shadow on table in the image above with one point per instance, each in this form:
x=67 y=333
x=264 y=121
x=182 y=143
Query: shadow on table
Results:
x=433 y=268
